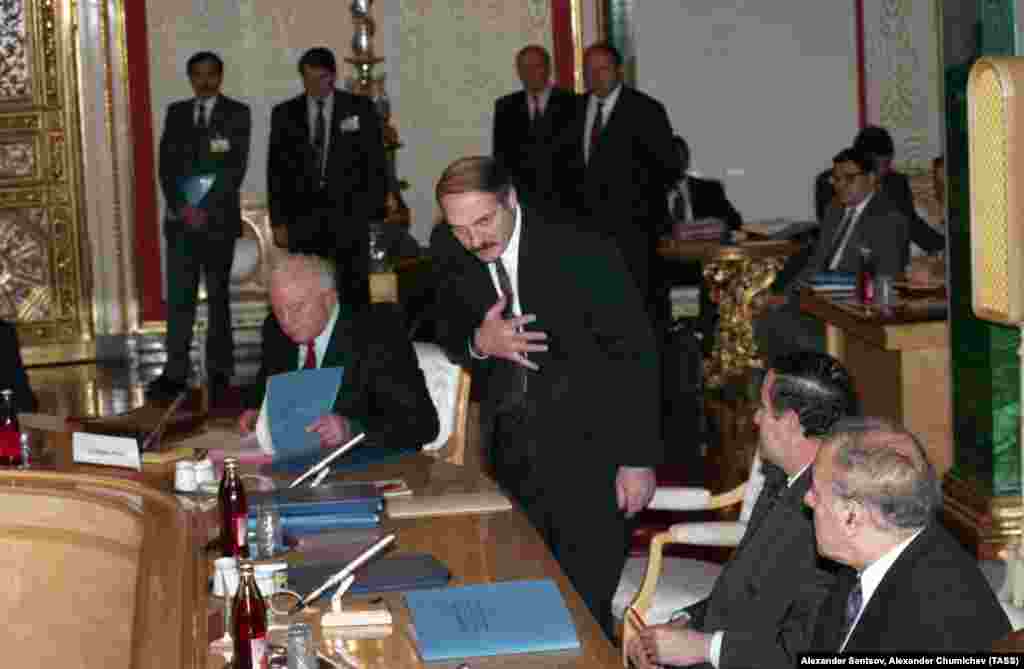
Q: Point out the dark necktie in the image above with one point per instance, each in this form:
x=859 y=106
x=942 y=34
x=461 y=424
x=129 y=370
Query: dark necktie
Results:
x=853 y=603
x=505 y=283
x=679 y=208
x=837 y=241
x=595 y=130
x=202 y=131
x=534 y=109
x=319 y=139
x=201 y=123
x=310 y=362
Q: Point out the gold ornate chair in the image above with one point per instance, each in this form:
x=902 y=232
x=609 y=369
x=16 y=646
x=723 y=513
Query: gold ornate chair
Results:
x=657 y=586
x=448 y=385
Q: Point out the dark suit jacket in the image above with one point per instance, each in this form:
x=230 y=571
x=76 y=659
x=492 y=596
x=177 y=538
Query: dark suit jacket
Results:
x=881 y=227
x=933 y=599
x=708 y=200
x=621 y=191
x=185 y=152
x=15 y=377
x=356 y=171
x=599 y=339
x=767 y=596
x=524 y=149
x=383 y=387
x=896 y=187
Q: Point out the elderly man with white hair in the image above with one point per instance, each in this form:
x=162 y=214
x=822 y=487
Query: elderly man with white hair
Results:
x=383 y=391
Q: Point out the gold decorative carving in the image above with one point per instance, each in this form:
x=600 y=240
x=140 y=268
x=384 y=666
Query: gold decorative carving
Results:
x=30 y=121
x=15 y=78
x=18 y=159
x=24 y=265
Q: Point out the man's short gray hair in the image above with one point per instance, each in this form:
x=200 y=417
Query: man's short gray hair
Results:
x=884 y=467
x=294 y=265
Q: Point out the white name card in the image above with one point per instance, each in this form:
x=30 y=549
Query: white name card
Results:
x=100 y=449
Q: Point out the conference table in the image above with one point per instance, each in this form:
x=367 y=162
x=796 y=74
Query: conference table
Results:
x=475 y=547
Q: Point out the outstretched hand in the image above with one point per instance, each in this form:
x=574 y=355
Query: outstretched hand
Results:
x=505 y=338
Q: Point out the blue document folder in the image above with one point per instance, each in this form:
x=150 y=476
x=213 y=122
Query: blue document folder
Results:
x=196 y=187
x=297 y=526
x=407 y=571
x=330 y=498
x=491 y=619
x=293 y=401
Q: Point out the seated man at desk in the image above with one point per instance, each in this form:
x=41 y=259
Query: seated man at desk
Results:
x=861 y=219
x=761 y=610
x=908 y=585
x=383 y=390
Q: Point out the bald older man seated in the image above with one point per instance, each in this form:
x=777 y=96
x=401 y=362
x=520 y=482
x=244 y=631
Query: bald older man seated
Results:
x=383 y=390
x=909 y=586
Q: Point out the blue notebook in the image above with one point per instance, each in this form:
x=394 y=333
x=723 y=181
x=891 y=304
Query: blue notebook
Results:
x=297 y=526
x=328 y=498
x=491 y=619
x=292 y=402
x=407 y=571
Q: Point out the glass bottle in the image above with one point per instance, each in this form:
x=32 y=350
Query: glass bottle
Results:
x=234 y=512
x=866 y=277
x=249 y=623
x=10 y=431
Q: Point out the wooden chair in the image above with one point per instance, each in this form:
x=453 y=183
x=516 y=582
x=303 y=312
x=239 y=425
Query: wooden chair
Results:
x=448 y=385
x=683 y=581
x=97 y=572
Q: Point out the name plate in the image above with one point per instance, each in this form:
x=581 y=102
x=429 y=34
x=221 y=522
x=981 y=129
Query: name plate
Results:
x=99 y=449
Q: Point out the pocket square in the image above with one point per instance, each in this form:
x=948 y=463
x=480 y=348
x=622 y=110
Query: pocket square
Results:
x=351 y=124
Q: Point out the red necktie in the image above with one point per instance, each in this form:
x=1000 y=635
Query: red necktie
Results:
x=310 y=356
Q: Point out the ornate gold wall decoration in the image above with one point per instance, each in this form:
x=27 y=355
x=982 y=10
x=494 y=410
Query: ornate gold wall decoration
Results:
x=40 y=154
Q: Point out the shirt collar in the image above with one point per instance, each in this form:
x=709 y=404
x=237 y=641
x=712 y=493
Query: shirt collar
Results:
x=542 y=97
x=859 y=208
x=609 y=101
x=510 y=256
x=324 y=338
x=791 y=479
x=873 y=574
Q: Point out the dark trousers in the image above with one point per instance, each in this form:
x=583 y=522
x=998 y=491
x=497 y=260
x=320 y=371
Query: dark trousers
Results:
x=571 y=504
x=325 y=231
x=189 y=253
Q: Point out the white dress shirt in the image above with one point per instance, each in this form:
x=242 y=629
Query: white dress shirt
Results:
x=207 y=105
x=833 y=262
x=684 y=186
x=606 y=114
x=321 y=342
x=542 y=102
x=510 y=259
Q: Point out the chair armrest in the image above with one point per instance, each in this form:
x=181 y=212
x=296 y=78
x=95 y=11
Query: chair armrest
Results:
x=708 y=534
x=679 y=498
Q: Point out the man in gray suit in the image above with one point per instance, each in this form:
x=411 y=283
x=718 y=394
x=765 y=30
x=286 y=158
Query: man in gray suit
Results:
x=762 y=609
x=860 y=220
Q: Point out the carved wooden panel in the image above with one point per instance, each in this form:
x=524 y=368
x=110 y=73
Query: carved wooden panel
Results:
x=41 y=282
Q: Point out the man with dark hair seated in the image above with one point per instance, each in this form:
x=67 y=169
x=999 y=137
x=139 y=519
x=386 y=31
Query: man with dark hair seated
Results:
x=15 y=377
x=762 y=609
x=909 y=586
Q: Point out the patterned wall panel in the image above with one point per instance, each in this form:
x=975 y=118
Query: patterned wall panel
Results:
x=40 y=242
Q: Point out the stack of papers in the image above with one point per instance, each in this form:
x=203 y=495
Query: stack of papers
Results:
x=834 y=284
x=306 y=510
x=779 y=228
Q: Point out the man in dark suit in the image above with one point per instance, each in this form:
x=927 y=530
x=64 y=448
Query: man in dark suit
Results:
x=860 y=218
x=16 y=378
x=383 y=391
x=762 y=609
x=576 y=454
x=619 y=163
x=526 y=123
x=877 y=143
x=909 y=587
x=695 y=199
x=327 y=175
x=205 y=135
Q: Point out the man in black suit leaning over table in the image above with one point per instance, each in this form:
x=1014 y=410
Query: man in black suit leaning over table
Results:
x=908 y=586
x=861 y=217
x=576 y=453
x=761 y=611
x=383 y=391
x=526 y=122
x=207 y=134
x=619 y=162
x=327 y=175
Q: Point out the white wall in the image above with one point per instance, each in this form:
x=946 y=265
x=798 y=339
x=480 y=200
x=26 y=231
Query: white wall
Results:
x=764 y=92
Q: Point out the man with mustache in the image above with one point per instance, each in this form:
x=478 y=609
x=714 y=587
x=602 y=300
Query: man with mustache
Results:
x=545 y=313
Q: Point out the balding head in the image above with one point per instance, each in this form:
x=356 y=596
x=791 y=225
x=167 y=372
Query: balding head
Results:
x=303 y=295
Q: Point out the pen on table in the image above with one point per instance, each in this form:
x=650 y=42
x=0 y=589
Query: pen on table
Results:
x=155 y=435
x=340 y=576
x=328 y=460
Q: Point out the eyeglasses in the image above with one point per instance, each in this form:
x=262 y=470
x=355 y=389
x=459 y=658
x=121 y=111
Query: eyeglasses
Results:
x=846 y=178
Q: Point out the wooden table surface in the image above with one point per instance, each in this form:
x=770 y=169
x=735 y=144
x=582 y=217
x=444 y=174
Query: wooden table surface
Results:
x=477 y=548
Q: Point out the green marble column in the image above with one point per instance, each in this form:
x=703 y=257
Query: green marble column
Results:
x=985 y=365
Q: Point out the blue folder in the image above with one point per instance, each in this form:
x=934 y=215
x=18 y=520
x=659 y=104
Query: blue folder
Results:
x=329 y=498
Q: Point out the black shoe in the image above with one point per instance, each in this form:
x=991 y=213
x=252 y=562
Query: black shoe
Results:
x=165 y=389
